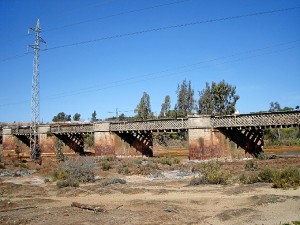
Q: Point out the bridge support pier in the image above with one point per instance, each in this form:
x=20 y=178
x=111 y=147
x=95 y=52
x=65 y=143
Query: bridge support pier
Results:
x=204 y=141
x=104 y=140
x=8 y=142
x=46 y=141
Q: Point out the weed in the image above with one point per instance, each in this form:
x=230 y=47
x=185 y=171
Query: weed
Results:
x=67 y=183
x=196 y=181
x=213 y=174
x=79 y=169
x=287 y=178
x=2 y=166
x=248 y=178
x=251 y=165
x=105 y=165
x=106 y=182
x=167 y=161
x=58 y=174
x=262 y=156
x=123 y=169
x=138 y=161
x=109 y=158
x=267 y=175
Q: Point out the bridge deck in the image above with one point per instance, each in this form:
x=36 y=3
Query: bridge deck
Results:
x=258 y=120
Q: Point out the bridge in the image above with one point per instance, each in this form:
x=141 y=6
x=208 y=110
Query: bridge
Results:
x=208 y=136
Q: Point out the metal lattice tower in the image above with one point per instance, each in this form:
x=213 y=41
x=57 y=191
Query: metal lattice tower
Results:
x=35 y=94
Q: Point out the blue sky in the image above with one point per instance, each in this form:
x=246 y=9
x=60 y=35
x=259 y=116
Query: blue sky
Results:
x=260 y=55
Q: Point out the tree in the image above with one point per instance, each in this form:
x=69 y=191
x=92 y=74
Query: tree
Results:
x=219 y=99
x=206 y=105
x=185 y=99
x=76 y=117
x=94 y=116
x=286 y=108
x=165 y=107
x=274 y=107
x=297 y=107
x=143 y=109
x=61 y=117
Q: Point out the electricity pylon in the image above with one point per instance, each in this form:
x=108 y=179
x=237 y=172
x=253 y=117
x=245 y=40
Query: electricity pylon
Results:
x=35 y=94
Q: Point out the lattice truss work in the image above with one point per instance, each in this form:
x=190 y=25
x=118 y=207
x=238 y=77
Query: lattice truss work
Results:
x=263 y=120
x=153 y=125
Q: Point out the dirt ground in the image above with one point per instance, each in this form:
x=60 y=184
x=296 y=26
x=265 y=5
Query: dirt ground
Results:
x=147 y=199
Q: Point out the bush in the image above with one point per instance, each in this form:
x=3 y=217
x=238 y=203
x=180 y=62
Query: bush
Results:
x=80 y=169
x=262 y=156
x=106 y=182
x=105 y=165
x=249 y=178
x=213 y=174
x=67 y=183
x=167 y=161
x=2 y=166
x=251 y=165
x=123 y=169
x=58 y=174
x=109 y=158
x=196 y=181
x=287 y=178
x=267 y=175
x=138 y=161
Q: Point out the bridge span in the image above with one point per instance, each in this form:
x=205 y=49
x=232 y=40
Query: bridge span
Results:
x=208 y=136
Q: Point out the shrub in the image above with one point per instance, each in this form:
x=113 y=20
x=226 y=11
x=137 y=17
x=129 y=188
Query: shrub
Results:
x=80 y=169
x=105 y=165
x=196 y=181
x=248 y=178
x=123 y=169
x=167 y=161
x=267 y=175
x=262 y=156
x=106 y=182
x=138 y=161
x=58 y=174
x=2 y=166
x=251 y=165
x=213 y=174
x=109 y=158
x=67 y=183
x=287 y=178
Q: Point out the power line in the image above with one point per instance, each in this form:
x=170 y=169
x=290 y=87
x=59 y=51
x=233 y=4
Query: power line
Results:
x=109 y=16
x=116 y=15
x=157 y=75
x=174 y=26
x=160 y=29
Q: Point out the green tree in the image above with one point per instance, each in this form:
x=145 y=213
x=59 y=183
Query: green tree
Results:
x=61 y=117
x=165 y=107
x=143 y=109
x=205 y=102
x=76 y=117
x=287 y=108
x=274 y=107
x=185 y=99
x=219 y=99
x=94 y=116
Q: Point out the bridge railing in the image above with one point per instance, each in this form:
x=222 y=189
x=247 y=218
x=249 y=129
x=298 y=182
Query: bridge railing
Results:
x=83 y=128
x=289 y=118
x=170 y=124
x=20 y=130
